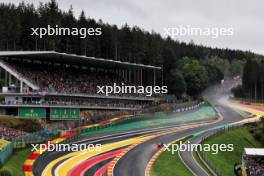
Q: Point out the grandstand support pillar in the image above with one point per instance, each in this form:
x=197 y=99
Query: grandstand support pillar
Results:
x=123 y=73
x=126 y=75
x=135 y=76
x=129 y=76
x=9 y=79
x=5 y=78
x=21 y=86
x=162 y=81
x=154 y=77
x=141 y=77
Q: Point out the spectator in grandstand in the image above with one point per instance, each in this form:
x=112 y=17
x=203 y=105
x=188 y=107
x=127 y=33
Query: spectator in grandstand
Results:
x=65 y=79
x=81 y=102
x=254 y=165
x=10 y=133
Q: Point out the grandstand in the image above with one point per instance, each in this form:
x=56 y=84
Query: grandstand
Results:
x=253 y=162
x=59 y=86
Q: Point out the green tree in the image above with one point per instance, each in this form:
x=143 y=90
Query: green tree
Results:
x=195 y=76
x=177 y=83
x=250 y=79
x=236 y=67
x=261 y=80
x=214 y=74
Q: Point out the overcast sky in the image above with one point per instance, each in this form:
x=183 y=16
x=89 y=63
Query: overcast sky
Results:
x=246 y=17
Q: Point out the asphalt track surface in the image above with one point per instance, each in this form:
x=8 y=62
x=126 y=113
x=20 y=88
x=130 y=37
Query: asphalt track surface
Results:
x=187 y=156
x=104 y=138
x=134 y=162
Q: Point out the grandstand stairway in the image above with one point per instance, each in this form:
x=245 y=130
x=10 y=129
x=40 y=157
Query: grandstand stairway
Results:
x=17 y=75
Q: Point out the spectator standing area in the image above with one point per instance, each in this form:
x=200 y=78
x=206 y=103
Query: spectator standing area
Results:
x=59 y=86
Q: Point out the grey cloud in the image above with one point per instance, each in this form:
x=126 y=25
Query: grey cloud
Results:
x=245 y=16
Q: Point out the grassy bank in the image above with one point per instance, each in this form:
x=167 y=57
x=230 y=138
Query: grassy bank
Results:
x=169 y=165
x=16 y=161
x=224 y=161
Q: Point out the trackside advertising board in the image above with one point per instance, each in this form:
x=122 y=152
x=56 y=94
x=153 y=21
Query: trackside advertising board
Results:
x=32 y=113
x=64 y=114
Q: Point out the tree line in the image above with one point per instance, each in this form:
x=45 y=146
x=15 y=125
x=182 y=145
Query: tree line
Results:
x=252 y=81
x=188 y=68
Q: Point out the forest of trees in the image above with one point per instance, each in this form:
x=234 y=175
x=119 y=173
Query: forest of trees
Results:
x=252 y=81
x=188 y=68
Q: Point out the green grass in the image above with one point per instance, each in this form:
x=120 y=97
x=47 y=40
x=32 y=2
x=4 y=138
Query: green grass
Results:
x=169 y=165
x=16 y=161
x=224 y=161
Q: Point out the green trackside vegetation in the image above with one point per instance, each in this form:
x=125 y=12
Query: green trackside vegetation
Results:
x=224 y=161
x=169 y=165
x=15 y=163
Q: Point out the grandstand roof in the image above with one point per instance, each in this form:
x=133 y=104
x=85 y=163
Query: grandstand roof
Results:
x=73 y=59
x=254 y=151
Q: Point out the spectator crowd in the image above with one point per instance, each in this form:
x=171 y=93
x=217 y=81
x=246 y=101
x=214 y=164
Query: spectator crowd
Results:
x=254 y=166
x=66 y=79
x=10 y=133
x=75 y=101
x=79 y=82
